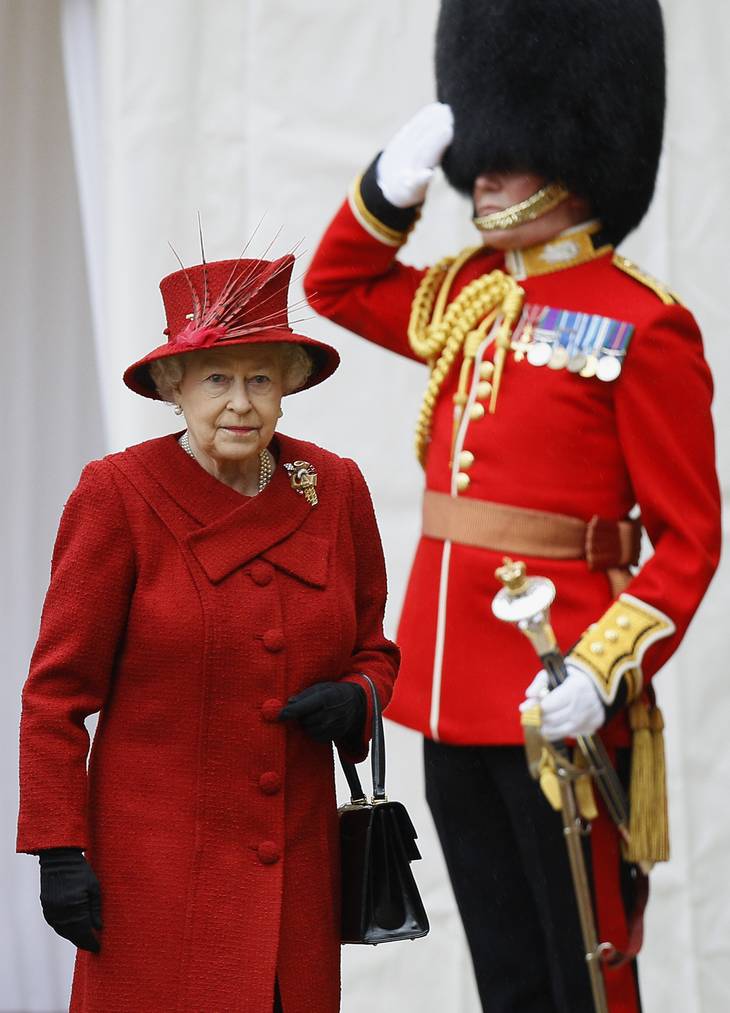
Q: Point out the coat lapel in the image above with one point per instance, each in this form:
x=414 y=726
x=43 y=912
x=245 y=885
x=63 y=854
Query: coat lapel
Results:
x=233 y=529
x=260 y=524
x=302 y=555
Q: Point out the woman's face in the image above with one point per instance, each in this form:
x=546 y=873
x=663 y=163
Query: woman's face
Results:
x=231 y=399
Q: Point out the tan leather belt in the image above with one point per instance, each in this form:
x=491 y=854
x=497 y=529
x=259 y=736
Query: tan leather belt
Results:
x=514 y=530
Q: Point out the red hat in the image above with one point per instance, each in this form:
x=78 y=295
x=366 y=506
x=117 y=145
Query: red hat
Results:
x=228 y=302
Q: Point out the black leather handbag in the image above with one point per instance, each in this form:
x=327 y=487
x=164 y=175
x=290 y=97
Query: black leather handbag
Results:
x=380 y=899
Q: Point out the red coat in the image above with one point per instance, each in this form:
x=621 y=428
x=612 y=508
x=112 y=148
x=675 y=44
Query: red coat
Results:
x=557 y=442
x=186 y=616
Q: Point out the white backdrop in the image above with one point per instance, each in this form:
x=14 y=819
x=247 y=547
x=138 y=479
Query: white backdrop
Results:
x=240 y=108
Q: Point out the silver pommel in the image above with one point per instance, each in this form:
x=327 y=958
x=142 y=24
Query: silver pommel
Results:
x=525 y=602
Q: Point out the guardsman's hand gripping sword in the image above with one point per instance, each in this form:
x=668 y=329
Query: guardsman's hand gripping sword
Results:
x=525 y=602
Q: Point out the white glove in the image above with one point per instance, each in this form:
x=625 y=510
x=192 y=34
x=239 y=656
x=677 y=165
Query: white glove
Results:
x=571 y=709
x=406 y=166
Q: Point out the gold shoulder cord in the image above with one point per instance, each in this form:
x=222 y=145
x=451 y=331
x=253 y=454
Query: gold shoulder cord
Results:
x=656 y=286
x=436 y=334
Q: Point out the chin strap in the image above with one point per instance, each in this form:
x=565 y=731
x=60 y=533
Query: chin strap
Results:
x=544 y=200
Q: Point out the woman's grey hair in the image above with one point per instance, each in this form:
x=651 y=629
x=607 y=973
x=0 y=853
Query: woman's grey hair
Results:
x=296 y=367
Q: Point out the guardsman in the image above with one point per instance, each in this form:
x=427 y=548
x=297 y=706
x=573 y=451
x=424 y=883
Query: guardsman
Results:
x=567 y=408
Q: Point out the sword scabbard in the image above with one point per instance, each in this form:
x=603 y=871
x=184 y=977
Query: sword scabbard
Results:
x=525 y=603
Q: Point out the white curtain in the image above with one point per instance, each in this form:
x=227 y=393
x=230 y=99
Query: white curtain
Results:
x=240 y=109
x=51 y=420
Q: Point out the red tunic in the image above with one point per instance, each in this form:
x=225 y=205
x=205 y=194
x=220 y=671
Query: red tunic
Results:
x=557 y=442
x=186 y=615
x=560 y=443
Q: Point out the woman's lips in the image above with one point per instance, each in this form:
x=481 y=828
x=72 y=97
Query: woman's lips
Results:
x=239 y=430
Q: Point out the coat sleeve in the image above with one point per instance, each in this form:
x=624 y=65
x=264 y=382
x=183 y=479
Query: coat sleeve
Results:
x=354 y=278
x=374 y=655
x=82 y=625
x=663 y=402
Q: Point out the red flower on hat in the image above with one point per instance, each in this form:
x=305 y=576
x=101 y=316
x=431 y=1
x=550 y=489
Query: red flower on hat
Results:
x=195 y=336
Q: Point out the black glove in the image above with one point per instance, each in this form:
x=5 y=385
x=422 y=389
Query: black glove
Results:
x=70 y=896
x=329 y=711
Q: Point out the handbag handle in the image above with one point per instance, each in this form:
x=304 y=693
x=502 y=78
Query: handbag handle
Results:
x=377 y=755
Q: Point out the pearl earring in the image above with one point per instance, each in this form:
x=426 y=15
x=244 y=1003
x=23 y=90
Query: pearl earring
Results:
x=178 y=409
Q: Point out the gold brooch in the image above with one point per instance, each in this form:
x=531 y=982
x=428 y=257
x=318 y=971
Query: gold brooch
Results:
x=303 y=478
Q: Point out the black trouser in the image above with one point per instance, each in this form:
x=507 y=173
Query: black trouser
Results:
x=277 y=999
x=508 y=865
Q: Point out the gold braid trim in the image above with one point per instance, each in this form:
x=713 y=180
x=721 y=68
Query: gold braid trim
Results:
x=370 y=222
x=437 y=334
x=657 y=287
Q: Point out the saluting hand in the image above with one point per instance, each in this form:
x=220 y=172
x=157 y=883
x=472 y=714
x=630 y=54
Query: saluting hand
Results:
x=70 y=896
x=406 y=165
x=328 y=711
x=571 y=709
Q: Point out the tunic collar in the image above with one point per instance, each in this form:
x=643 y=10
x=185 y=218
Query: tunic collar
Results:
x=569 y=248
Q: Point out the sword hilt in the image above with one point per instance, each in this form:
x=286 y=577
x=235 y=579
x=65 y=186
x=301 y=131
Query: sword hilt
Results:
x=525 y=602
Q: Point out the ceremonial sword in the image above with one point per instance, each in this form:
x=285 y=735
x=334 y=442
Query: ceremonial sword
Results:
x=525 y=603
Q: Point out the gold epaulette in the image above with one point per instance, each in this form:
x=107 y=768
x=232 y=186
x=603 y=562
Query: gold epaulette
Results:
x=370 y=222
x=612 y=649
x=657 y=287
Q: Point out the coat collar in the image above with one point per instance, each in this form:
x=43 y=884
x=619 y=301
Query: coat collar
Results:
x=569 y=248
x=233 y=529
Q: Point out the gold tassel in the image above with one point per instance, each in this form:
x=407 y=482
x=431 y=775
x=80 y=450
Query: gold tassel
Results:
x=584 y=796
x=549 y=783
x=640 y=790
x=648 y=825
x=661 y=821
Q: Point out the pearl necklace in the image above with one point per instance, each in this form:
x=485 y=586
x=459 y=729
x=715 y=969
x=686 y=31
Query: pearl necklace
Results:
x=266 y=467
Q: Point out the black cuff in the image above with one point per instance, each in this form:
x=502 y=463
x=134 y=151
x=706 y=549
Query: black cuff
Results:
x=619 y=702
x=53 y=857
x=399 y=219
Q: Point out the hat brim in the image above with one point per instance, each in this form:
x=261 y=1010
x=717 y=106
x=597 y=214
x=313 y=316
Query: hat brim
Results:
x=326 y=359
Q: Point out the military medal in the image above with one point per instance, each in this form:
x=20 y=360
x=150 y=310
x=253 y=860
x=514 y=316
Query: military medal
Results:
x=590 y=367
x=539 y=353
x=523 y=333
x=614 y=349
x=576 y=358
x=590 y=339
x=586 y=345
x=558 y=358
x=608 y=368
x=522 y=345
x=563 y=336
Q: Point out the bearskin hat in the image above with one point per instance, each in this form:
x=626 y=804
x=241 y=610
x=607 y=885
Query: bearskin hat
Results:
x=570 y=89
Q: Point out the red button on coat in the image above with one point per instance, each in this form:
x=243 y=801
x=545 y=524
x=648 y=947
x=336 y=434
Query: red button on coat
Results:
x=268 y=853
x=273 y=640
x=270 y=709
x=270 y=782
x=261 y=573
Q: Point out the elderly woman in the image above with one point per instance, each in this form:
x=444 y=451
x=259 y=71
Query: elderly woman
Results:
x=199 y=582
